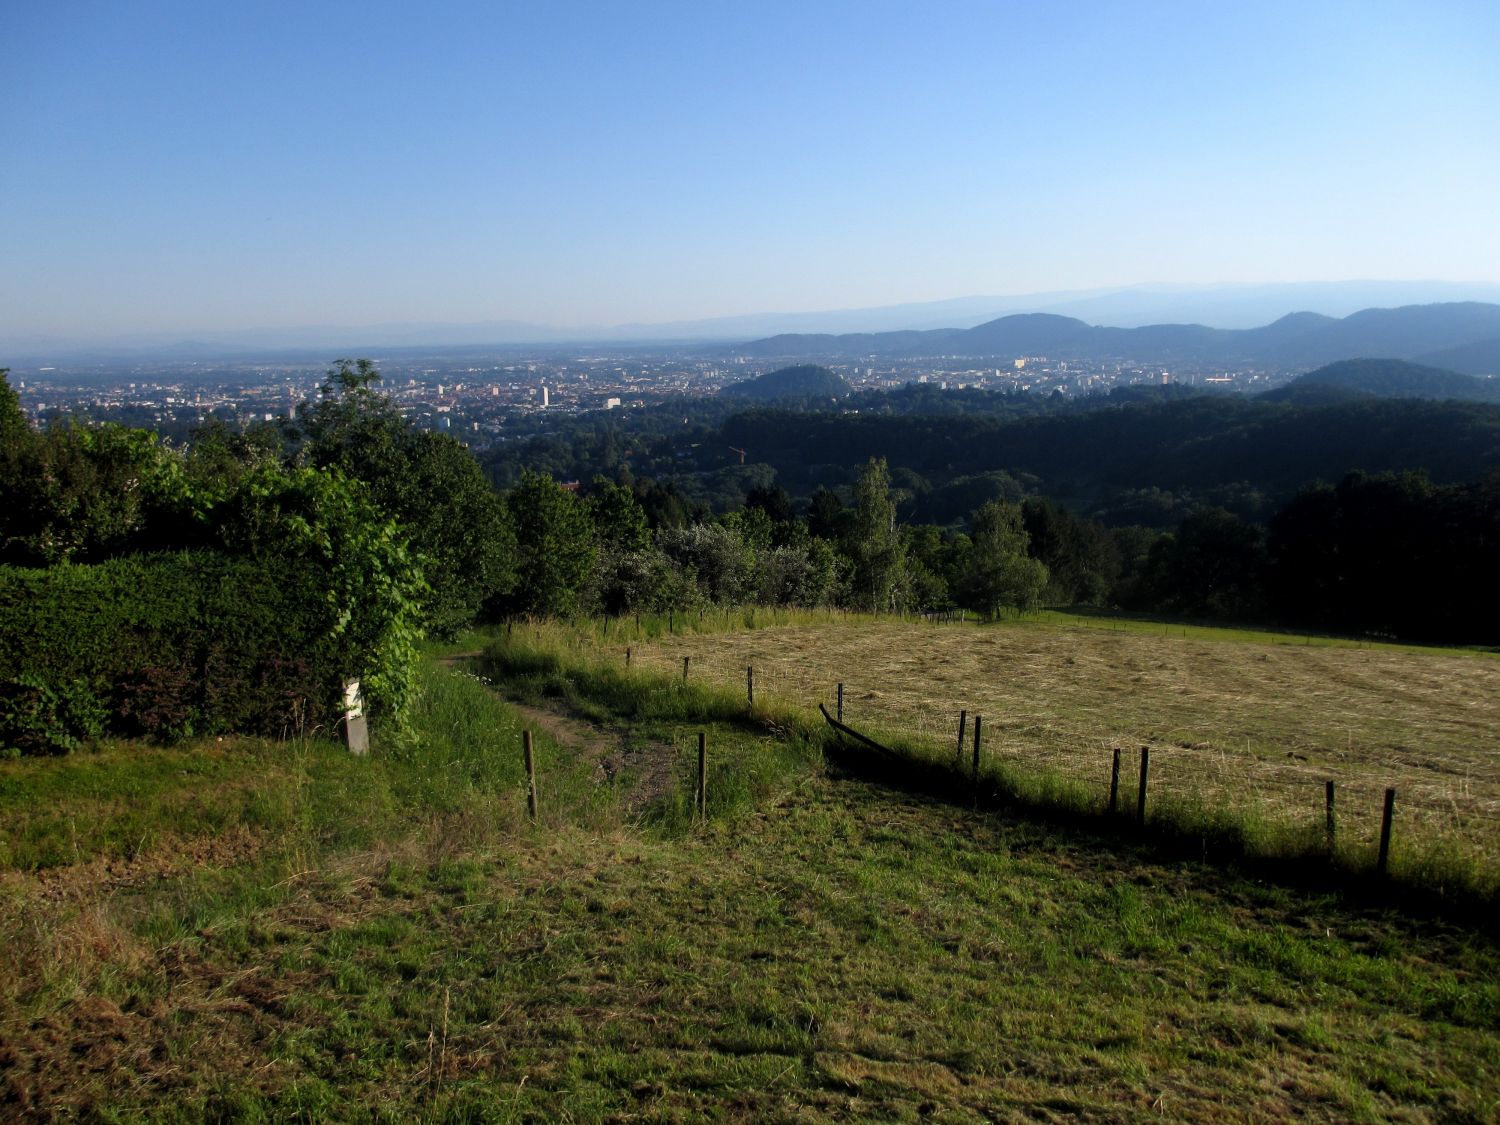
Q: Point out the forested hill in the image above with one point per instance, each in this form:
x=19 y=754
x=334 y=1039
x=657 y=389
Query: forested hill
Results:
x=1200 y=443
x=806 y=381
x=1139 y=455
x=1385 y=378
x=1461 y=335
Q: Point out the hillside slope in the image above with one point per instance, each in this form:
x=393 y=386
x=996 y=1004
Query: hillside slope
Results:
x=1384 y=378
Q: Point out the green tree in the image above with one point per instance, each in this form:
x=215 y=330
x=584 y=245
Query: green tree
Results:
x=320 y=527
x=554 y=547
x=874 y=542
x=350 y=376
x=925 y=565
x=1000 y=574
x=753 y=526
x=1214 y=565
x=629 y=573
x=826 y=516
x=13 y=428
x=802 y=574
x=715 y=557
x=773 y=499
x=80 y=494
x=619 y=520
x=220 y=456
x=429 y=482
x=1080 y=556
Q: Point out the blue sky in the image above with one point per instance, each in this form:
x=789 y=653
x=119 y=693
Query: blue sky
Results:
x=208 y=165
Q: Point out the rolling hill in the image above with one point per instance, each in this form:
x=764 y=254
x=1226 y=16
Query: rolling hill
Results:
x=1384 y=378
x=1412 y=332
x=807 y=380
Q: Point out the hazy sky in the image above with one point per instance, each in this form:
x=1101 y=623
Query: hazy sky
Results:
x=211 y=165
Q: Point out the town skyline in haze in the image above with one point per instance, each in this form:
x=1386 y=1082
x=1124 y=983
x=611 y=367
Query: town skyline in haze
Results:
x=174 y=170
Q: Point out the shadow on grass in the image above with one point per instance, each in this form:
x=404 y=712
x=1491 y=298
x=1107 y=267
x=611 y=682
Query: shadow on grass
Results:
x=1428 y=887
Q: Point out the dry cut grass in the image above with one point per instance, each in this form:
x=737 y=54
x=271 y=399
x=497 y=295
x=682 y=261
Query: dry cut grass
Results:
x=1258 y=723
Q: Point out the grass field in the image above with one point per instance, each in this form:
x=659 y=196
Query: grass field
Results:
x=1234 y=719
x=254 y=931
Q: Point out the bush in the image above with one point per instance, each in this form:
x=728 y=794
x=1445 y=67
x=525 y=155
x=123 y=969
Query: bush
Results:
x=162 y=646
x=155 y=702
x=39 y=718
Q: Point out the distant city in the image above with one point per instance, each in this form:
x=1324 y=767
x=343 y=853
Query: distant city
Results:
x=476 y=397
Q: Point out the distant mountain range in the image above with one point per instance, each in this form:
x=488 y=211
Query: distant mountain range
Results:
x=1462 y=336
x=1218 y=306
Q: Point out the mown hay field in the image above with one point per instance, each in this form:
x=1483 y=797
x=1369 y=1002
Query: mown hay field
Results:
x=1234 y=720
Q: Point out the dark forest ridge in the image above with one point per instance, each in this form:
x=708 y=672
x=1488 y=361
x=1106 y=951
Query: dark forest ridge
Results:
x=1463 y=336
x=1385 y=378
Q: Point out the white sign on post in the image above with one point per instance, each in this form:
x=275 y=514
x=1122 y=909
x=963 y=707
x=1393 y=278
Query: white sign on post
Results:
x=356 y=731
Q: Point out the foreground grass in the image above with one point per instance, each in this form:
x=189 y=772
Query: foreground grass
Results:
x=823 y=947
x=106 y=852
x=843 y=953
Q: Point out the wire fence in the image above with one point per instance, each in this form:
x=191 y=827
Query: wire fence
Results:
x=1455 y=809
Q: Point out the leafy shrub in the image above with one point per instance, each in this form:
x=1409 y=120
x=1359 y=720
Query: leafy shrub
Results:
x=193 y=642
x=37 y=717
x=155 y=702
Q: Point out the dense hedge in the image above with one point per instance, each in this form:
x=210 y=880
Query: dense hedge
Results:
x=162 y=646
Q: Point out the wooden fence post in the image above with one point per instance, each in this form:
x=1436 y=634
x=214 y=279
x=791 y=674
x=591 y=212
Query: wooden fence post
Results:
x=627 y=656
x=685 y=661
x=1383 y=862
x=702 y=797
x=750 y=688
x=978 y=719
x=1328 y=812
x=1114 y=784
x=671 y=621
x=1140 y=801
x=958 y=751
x=841 y=703
x=530 y=758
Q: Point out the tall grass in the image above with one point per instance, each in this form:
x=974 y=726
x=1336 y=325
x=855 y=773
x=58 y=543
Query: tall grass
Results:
x=753 y=752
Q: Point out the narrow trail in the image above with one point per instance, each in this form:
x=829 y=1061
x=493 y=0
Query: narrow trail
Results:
x=644 y=770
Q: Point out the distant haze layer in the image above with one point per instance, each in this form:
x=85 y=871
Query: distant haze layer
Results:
x=1214 y=306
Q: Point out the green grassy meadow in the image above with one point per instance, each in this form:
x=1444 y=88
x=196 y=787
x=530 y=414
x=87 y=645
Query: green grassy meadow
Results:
x=259 y=931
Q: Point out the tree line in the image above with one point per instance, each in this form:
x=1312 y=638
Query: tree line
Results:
x=405 y=535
